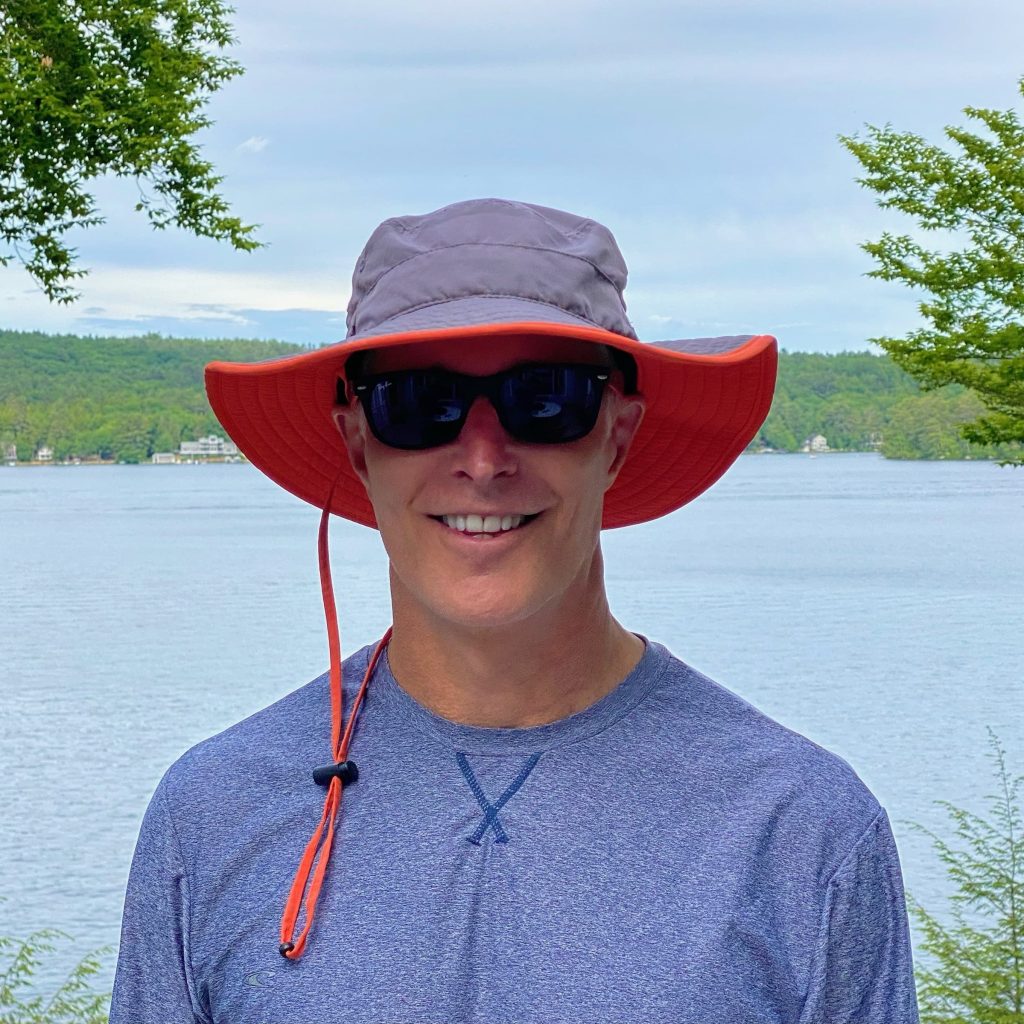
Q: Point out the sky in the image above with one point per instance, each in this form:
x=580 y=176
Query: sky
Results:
x=703 y=133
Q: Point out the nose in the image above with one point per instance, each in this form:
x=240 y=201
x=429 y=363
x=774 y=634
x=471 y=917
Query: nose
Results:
x=484 y=449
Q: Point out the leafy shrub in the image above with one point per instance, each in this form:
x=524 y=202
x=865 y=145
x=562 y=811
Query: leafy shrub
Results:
x=74 y=1002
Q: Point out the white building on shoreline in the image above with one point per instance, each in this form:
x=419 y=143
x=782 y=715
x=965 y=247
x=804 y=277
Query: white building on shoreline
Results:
x=816 y=443
x=207 y=446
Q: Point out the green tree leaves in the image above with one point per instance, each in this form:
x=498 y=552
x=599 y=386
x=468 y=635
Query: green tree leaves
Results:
x=74 y=1001
x=977 y=974
x=94 y=87
x=973 y=284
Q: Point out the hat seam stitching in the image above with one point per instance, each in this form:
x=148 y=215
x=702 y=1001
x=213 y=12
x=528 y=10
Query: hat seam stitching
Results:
x=506 y=245
x=493 y=295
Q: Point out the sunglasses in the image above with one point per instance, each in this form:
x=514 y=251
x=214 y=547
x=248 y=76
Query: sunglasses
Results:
x=538 y=403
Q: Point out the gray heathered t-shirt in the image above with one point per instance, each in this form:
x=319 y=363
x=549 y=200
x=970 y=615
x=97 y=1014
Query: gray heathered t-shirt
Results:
x=669 y=854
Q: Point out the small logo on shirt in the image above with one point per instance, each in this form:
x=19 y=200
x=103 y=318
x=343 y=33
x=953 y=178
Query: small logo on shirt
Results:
x=264 y=978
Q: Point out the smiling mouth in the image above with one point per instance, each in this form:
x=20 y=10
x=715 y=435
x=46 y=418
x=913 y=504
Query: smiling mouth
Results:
x=482 y=525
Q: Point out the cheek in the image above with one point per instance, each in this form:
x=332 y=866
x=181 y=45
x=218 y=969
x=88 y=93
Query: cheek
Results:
x=391 y=487
x=391 y=475
x=582 y=484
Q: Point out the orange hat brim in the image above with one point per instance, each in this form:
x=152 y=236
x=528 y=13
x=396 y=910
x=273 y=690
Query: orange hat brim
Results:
x=703 y=409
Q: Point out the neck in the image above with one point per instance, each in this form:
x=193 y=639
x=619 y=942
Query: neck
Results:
x=537 y=670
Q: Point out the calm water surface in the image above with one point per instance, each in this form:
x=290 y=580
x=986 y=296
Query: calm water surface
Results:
x=873 y=606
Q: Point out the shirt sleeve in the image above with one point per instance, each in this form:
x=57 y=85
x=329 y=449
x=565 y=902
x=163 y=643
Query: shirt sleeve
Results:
x=862 y=970
x=153 y=983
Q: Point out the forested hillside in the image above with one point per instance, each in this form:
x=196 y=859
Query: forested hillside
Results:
x=112 y=398
x=122 y=399
x=863 y=402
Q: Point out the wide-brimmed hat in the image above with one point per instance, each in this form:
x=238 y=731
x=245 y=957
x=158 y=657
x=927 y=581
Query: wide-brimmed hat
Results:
x=477 y=272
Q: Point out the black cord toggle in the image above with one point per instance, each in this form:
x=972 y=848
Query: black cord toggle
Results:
x=285 y=948
x=344 y=770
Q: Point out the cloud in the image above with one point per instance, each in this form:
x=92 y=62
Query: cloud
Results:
x=194 y=302
x=661 y=247
x=215 y=311
x=188 y=293
x=312 y=327
x=702 y=134
x=854 y=41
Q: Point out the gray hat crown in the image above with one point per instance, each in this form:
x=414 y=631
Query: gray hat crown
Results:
x=537 y=262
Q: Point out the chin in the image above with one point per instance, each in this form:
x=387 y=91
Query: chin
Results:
x=502 y=610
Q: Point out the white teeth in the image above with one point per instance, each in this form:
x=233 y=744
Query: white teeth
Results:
x=483 y=524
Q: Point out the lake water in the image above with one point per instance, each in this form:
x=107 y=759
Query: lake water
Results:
x=873 y=606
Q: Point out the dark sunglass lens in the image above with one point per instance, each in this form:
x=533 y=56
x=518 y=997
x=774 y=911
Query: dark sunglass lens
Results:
x=550 y=404
x=415 y=409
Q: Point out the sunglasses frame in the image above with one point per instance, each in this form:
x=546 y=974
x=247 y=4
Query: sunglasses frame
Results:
x=487 y=386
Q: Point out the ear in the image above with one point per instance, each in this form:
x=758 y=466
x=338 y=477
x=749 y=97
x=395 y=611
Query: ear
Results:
x=351 y=425
x=628 y=415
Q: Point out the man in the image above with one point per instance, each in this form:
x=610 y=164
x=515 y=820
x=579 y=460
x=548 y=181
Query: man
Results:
x=527 y=812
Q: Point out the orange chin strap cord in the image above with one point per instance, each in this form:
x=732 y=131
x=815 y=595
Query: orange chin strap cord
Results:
x=318 y=851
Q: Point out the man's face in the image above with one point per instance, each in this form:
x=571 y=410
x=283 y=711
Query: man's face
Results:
x=545 y=566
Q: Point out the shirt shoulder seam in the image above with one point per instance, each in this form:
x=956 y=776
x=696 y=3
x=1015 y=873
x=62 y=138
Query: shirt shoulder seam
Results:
x=197 y=1012
x=872 y=824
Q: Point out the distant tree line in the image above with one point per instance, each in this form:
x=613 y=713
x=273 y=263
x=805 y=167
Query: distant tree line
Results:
x=119 y=399
x=122 y=399
x=864 y=402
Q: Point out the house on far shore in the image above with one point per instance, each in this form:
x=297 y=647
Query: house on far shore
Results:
x=11 y=454
x=207 y=446
x=44 y=453
x=816 y=443
x=164 y=458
